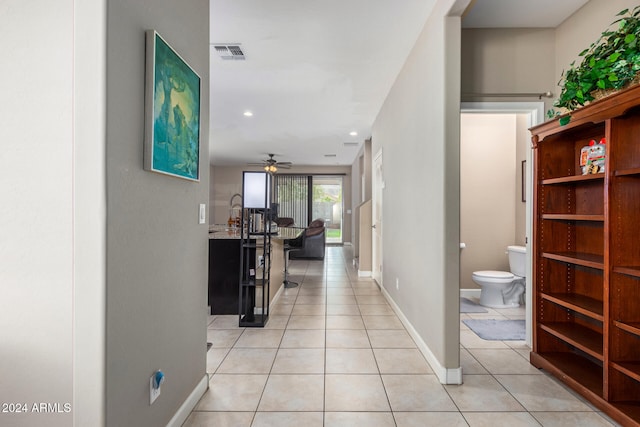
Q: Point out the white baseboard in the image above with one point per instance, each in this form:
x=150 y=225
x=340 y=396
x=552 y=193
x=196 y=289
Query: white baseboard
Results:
x=258 y=310
x=364 y=273
x=473 y=293
x=276 y=296
x=445 y=375
x=187 y=406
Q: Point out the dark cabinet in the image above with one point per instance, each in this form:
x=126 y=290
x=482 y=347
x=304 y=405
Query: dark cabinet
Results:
x=224 y=265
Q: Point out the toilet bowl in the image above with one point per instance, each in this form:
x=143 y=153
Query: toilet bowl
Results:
x=502 y=289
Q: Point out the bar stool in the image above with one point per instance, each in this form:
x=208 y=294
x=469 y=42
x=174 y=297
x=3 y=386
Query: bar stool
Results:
x=286 y=282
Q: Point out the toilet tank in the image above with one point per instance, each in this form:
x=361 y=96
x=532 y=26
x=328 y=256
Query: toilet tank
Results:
x=517 y=260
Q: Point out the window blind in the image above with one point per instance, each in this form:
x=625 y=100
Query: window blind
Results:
x=291 y=192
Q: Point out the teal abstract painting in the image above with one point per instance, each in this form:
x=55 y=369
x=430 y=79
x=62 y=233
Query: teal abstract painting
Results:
x=172 y=139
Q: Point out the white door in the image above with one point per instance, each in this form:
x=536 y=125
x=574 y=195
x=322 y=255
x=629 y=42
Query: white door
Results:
x=376 y=236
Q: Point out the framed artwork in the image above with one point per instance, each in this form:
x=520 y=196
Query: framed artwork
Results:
x=172 y=112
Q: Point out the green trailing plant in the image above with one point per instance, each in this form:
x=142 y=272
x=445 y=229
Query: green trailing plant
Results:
x=610 y=63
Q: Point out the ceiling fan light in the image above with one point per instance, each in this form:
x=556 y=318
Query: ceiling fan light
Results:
x=270 y=169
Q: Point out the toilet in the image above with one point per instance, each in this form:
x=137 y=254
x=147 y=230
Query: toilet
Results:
x=502 y=289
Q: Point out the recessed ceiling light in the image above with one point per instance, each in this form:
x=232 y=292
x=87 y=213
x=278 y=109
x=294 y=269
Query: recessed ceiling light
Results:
x=353 y=133
x=248 y=113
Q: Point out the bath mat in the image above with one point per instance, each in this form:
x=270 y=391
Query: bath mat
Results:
x=468 y=306
x=497 y=330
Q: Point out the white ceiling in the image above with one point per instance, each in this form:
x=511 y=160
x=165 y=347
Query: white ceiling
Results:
x=317 y=70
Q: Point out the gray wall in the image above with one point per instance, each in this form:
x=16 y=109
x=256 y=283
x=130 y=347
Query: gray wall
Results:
x=508 y=60
x=418 y=132
x=156 y=250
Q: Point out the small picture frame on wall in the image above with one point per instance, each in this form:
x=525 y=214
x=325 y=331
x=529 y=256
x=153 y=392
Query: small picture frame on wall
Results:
x=172 y=112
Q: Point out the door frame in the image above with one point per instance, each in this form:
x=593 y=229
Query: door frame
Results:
x=535 y=111
x=376 y=229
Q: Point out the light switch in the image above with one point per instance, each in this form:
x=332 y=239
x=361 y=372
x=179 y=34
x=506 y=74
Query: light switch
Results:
x=203 y=213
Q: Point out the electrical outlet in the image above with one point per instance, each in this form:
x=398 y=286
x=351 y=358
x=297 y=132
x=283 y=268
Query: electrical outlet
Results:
x=397 y=284
x=155 y=382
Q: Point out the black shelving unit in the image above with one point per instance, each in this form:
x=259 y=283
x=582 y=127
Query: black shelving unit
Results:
x=255 y=251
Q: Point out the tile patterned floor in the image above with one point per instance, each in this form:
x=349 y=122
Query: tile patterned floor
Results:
x=335 y=354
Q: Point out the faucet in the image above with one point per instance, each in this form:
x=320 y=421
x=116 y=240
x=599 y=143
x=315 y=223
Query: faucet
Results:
x=234 y=220
x=238 y=205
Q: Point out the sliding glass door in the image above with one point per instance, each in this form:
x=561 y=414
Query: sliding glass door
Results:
x=308 y=197
x=327 y=205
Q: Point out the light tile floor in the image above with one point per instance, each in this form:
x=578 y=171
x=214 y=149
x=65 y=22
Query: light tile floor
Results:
x=335 y=354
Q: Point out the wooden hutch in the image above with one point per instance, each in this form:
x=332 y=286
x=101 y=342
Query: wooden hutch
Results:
x=586 y=255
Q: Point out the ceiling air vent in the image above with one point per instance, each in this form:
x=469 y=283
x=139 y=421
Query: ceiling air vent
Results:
x=351 y=144
x=231 y=52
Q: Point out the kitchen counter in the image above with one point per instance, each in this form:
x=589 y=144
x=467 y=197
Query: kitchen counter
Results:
x=221 y=231
x=224 y=265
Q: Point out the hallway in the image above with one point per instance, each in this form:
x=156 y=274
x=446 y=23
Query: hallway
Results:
x=335 y=354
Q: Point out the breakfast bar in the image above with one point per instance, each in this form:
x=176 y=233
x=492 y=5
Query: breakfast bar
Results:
x=224 y=265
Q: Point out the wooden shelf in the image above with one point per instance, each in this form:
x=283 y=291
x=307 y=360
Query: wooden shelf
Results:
x=573 y=179
x=587 y=306
x=632 y=327
x=629 y=271
x=580 y=370
x=585 y=377
x=580 y=337
x=630 y=369
x=627 y=172
x=578 y=258
x=574 y=217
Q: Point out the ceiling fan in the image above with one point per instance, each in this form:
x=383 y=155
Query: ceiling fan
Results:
x=271 y=165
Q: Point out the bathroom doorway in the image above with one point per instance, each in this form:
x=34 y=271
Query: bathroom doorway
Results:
x=512 y=184
x=491 y=210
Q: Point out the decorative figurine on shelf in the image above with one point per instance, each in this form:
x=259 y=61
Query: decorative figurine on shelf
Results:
x=584 y=156
x=597 y=155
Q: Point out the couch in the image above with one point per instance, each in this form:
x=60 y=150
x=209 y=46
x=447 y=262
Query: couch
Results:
x=311 y=242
